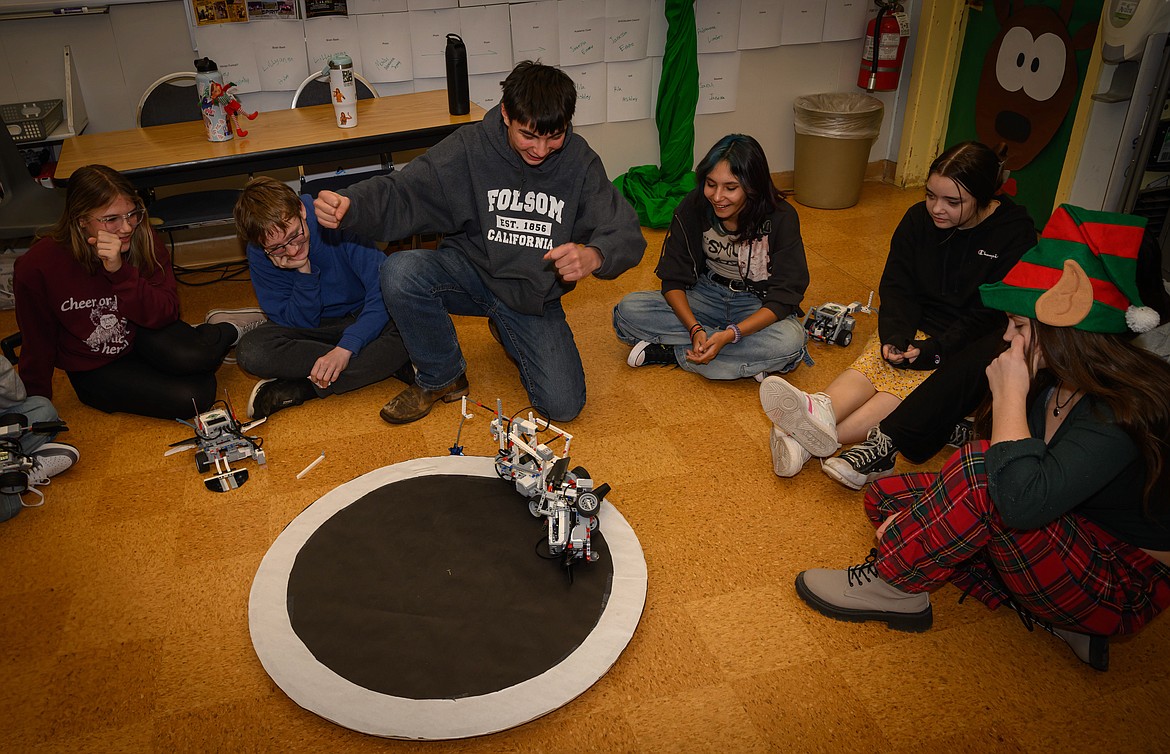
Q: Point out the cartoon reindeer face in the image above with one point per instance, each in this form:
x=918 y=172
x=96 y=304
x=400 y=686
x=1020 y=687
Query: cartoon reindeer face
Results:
x=1029 y=79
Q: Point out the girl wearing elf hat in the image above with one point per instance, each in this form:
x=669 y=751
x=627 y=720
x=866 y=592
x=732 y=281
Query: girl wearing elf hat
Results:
x=1065 y=514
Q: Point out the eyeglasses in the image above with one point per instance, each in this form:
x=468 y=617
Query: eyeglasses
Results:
x=289 y=246
x=113 y=222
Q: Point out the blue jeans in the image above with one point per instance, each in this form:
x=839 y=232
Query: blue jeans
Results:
x=423 y=288
x=779 y=347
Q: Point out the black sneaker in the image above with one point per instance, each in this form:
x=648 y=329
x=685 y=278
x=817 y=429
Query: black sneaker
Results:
x=645 y=352
x=864 y=462
x=270 y=396
x=962 y=433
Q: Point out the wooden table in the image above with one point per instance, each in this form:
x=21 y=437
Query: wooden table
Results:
x=180 y=152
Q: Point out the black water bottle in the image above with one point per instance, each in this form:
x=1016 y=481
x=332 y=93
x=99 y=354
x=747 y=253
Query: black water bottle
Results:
x=458 y=98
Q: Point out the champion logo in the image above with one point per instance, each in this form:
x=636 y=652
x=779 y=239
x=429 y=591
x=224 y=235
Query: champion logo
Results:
x=988 y=254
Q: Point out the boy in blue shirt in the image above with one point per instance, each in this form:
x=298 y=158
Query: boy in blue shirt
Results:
x=327 y=331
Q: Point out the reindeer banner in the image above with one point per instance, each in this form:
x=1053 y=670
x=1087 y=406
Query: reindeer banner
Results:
x=1025 y=62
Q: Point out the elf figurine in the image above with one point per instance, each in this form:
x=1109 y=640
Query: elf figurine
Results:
x=221 y=95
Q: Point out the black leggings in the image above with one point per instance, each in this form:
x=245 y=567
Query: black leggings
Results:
x=168 y=373
x=921 y=424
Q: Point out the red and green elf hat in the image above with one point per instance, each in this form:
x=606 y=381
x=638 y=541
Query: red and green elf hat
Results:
x=1082 y=274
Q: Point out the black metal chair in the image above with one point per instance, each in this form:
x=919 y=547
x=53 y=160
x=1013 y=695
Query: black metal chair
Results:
x=314 y=90
x=25 y=206
x=172 y=99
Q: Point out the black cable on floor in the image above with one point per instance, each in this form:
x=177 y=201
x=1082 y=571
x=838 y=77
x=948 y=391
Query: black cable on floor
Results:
x=224 y=271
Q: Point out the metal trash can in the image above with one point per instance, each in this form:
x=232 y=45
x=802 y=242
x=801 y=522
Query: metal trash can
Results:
x=834 y=133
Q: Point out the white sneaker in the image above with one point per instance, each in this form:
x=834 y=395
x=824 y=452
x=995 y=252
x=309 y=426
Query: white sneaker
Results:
x=51 y=459
x=809 y=418
x=788 y=456
x=244 y=320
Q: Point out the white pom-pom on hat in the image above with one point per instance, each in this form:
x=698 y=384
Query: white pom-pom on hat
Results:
x=1141 y=318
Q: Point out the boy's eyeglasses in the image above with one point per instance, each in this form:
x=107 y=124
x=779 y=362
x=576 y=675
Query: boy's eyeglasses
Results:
x=288 y=247
x=113 y=222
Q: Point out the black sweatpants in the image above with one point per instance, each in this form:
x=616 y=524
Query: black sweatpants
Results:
x=169 y=373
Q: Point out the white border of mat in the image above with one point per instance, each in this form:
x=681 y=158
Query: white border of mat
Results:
x=318 y=689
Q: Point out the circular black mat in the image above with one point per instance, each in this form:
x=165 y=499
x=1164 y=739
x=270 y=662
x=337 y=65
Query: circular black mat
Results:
x=412 y=603
x=438 y=578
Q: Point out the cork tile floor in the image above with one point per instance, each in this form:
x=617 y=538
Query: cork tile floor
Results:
x=124 y=607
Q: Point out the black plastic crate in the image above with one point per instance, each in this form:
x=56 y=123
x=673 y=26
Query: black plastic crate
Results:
x=31 y=121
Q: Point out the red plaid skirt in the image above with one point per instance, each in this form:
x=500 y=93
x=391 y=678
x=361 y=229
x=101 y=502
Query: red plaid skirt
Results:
x=1070 y=572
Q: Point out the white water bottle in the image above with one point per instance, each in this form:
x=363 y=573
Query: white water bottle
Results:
x=210 y=90
x=343 y=90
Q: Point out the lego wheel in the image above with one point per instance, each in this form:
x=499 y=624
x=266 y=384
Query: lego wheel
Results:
x=202 y=462
x=534 y=507
x=581 y=473
x=13 y=482
x=845 y=338
x=588 y=503
x=593 y=523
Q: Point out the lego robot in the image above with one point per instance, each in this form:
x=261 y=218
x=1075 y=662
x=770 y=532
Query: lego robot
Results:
x=219 y=440
x=15 y=464
x=833 y=323
x=567 y=499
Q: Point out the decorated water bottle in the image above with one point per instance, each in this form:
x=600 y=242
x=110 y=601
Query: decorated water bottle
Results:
x=212 y=98
x=458 y=98
x=343 y=90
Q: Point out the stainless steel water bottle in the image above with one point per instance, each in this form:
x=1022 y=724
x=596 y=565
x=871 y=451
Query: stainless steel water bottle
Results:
x=458 y=98
x=210 y=90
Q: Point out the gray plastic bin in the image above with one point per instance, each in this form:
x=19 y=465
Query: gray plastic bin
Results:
x=834 y=133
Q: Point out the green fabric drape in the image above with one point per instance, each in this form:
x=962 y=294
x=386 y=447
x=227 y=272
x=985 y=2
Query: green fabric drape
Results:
x=654 y=191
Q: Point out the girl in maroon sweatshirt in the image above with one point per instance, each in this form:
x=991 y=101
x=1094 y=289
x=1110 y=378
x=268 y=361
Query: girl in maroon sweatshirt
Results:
x=97 y=298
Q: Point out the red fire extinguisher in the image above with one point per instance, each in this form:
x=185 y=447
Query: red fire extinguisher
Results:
x=885 y=48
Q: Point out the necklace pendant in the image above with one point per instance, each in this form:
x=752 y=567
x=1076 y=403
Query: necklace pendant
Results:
x=1056 y=412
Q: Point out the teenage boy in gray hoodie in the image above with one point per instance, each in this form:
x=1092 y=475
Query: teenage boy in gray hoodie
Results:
x=526 y=211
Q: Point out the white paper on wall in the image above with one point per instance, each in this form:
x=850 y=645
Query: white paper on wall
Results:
x=803 y=22
x=718 y=82
x=376 y=6
x=328 y=36
x=627 y=29
x=591 y=95
x=487 y=37
x=844 y=19
x=759 y=24
x=581 y=31
x=656 y=41
x=485 y=89
x=385 y=43
x=428 y=41
x=717 y=24
x=534 y=32
x=280 y=55
x=430 y=85
x=397 y=87
x=628 y=85
x=230 y=46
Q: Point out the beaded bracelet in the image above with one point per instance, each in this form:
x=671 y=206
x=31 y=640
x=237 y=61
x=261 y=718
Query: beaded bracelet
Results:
x=735 y=331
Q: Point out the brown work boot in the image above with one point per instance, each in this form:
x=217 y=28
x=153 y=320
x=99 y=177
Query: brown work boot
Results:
x=415 y=402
